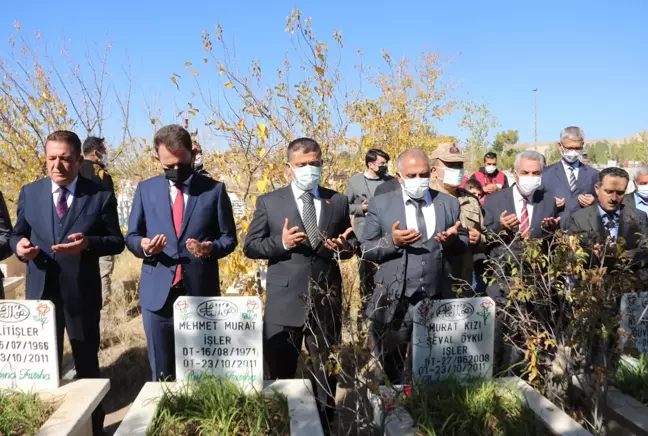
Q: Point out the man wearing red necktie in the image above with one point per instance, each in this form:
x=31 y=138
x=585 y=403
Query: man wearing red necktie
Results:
x=181 y=223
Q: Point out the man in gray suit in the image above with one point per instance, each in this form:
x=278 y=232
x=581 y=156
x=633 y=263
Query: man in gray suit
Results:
x=5 y=235
x=570 y=181
x=360 y=189
x=303 y=230
x=409 y=233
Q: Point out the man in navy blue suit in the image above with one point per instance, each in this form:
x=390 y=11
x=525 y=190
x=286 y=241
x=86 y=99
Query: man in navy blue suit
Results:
x=65 y=224
x=181 y=223
x=570 y=181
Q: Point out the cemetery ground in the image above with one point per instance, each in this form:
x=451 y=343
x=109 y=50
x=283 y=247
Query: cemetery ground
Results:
x=123 y=360
x=123 y=356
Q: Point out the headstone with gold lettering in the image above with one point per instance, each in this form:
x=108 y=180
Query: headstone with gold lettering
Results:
x=28 y=354
x=453 y=337
x=219 y=336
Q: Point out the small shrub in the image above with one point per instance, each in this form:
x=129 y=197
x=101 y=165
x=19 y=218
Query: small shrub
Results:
x=213 y=406
x=470 y=408
x=633 y=380
x=23 y=413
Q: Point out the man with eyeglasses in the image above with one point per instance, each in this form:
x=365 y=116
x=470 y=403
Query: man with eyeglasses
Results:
x=570 y=181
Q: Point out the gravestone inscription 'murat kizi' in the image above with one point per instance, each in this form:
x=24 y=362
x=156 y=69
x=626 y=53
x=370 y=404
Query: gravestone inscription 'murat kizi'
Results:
x=634 y=320
x=219 y=336
x=453 y=337
x=28 y=353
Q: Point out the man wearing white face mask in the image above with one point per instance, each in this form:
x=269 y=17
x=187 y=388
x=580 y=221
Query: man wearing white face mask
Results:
x=303 y=230
x=412 y=234
x=447 y=176
x=570 y=181
x=524 y=210
x=198 y=163
x=639 y=199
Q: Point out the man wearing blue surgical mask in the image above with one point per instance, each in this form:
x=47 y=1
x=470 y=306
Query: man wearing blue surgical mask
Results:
x=303 y=230
x=448 y=177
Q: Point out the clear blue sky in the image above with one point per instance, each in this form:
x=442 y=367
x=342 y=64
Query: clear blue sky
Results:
x=589 y=58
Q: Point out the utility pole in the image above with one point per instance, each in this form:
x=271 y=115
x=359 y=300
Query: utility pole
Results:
x=535 y=98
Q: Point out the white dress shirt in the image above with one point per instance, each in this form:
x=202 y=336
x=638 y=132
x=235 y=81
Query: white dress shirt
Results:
x=173 y=191
x=71 y=188
x=566 y=166
x=300 y=203
x=517 y=200
x=428 y=214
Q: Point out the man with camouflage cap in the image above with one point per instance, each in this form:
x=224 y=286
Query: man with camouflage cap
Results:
x=448 y=176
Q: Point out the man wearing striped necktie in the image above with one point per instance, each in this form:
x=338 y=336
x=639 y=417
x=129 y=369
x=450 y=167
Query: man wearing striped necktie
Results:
x=570 y=181
x=303 y=230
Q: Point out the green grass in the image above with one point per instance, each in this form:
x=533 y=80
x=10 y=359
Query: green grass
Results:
x=213 y=406
x=634 y=381
x=22 y=413
x=471 y=408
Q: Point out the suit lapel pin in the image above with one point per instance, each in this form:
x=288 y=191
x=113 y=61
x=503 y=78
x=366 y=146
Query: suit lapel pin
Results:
x=328 y=202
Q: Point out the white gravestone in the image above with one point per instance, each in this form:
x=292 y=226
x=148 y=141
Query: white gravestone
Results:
x=453 y=337
x=634 y=319
x=238 y=208
x=219 y=336
x=28 y=353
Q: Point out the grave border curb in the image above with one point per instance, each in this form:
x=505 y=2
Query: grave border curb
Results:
x=400 y=423
x=304 y=416
x=73 y=416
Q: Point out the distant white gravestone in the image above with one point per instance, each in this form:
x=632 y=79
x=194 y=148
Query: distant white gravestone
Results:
x=28 y=353
x=219 y=336
x=453 y=337
x=238 y=207
x=633 y=324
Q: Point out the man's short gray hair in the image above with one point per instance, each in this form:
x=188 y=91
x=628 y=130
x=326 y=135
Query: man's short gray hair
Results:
x=572 y=133
x=530 y=155
x=411 y=153
x=640 y=171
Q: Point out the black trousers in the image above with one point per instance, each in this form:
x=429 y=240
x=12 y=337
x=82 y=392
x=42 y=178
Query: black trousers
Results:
x=160 y=339
x=282 y=351
x=389 y=342
x=83 y=333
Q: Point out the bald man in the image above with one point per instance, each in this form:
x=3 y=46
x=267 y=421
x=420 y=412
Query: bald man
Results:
x=410 y=233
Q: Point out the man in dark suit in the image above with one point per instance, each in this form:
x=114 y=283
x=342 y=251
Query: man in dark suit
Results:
x=5 y=235
x=181 y=223
x=523 y=210
x=609 y=221
x=410 y=233
x=570 y=181
x=303 y=230
x=388 y=186
x=65 y=224
x=93 y=168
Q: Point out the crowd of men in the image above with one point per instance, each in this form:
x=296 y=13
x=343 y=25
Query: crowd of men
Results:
x=418 y=234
